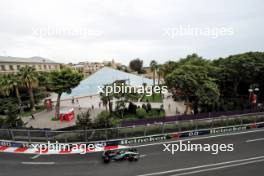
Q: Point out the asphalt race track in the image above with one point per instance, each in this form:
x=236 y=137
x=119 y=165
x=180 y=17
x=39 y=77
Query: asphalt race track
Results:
x=246 y=160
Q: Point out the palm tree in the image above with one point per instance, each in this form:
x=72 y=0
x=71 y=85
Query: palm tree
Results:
x=104 y=100
x=3 y=88
x=29 y=79
x=107 y=98
x=153 y=67
x=160 y=73
x=9 y=83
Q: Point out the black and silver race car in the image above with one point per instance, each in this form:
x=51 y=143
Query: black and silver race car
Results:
x=130 y=154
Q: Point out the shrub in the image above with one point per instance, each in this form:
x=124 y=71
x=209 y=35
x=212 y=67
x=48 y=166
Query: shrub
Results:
x=141 y=113
x=103 y=120
x=12 y=119
x=132 y=108
x=84 y=121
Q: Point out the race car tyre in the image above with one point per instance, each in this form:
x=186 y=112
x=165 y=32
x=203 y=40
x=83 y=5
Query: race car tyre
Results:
x=106 y=160
x=131 y=158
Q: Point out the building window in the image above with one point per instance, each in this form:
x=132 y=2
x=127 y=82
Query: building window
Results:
x=11 y=67
x=3 y=68
x=49 y=66
x=40 y=68
x=18 y=67
x=45 y=67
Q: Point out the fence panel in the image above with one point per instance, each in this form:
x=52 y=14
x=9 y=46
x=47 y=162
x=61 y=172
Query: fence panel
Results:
x=45 y=135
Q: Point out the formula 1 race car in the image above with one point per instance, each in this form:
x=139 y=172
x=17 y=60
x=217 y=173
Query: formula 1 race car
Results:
x=130 y=154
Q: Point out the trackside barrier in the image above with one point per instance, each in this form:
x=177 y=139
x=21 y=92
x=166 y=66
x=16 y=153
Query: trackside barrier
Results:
x=179 y=135
x=191 y=117
x=26 y=147
x=74 y=136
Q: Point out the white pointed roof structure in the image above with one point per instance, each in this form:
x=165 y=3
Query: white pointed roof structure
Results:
x=106 y=75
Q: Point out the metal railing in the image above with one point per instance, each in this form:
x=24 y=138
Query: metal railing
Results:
x=189 y=117
x=31 y=135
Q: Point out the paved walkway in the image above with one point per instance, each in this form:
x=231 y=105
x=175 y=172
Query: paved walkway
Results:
x=44 y=119
x=173 y=107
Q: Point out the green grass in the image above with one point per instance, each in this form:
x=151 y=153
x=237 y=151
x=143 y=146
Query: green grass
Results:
x=154 y=113
x=130 y=117
x=157 y=98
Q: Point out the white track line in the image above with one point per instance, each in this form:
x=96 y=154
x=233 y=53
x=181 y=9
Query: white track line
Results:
x=38 y=163
x=253 y=140
x=204 y=166
x=35 y=157
x=220 y=167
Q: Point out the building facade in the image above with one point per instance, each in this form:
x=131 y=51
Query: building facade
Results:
x=13 y=64
x=91 y=67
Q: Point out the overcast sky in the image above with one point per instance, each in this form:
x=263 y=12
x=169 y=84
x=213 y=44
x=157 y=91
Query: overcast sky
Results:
x=95 y=30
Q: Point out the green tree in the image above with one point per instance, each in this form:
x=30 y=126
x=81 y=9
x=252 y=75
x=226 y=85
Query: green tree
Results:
x=160 y=73
x=141 y=113
x=237 y=73
x=107 y=98
x=84 y=121
x=121 y=99
x=136 y=65
x=10 y=108
x=153 y=67
x=168 y=67
x=61 y=81
x=103 y=120
x=192 y=80
x=29 y=79
x=10 y=83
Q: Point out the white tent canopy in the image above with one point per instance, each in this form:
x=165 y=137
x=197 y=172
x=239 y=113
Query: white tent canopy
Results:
x=106 y=75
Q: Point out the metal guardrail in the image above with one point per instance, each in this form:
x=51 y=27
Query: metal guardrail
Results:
x=127 y=132
x=189 y=117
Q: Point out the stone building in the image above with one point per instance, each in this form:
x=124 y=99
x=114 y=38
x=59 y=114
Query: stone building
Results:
x=13 y=64
x=91 y=67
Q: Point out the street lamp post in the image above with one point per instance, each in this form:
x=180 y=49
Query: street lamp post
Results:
x=253 y=97
x=257 y=94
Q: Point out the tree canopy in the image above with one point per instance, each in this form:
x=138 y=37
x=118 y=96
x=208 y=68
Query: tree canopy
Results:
x=192 y=80
x=61 y=81
x=223 y=82
x=136 y=65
